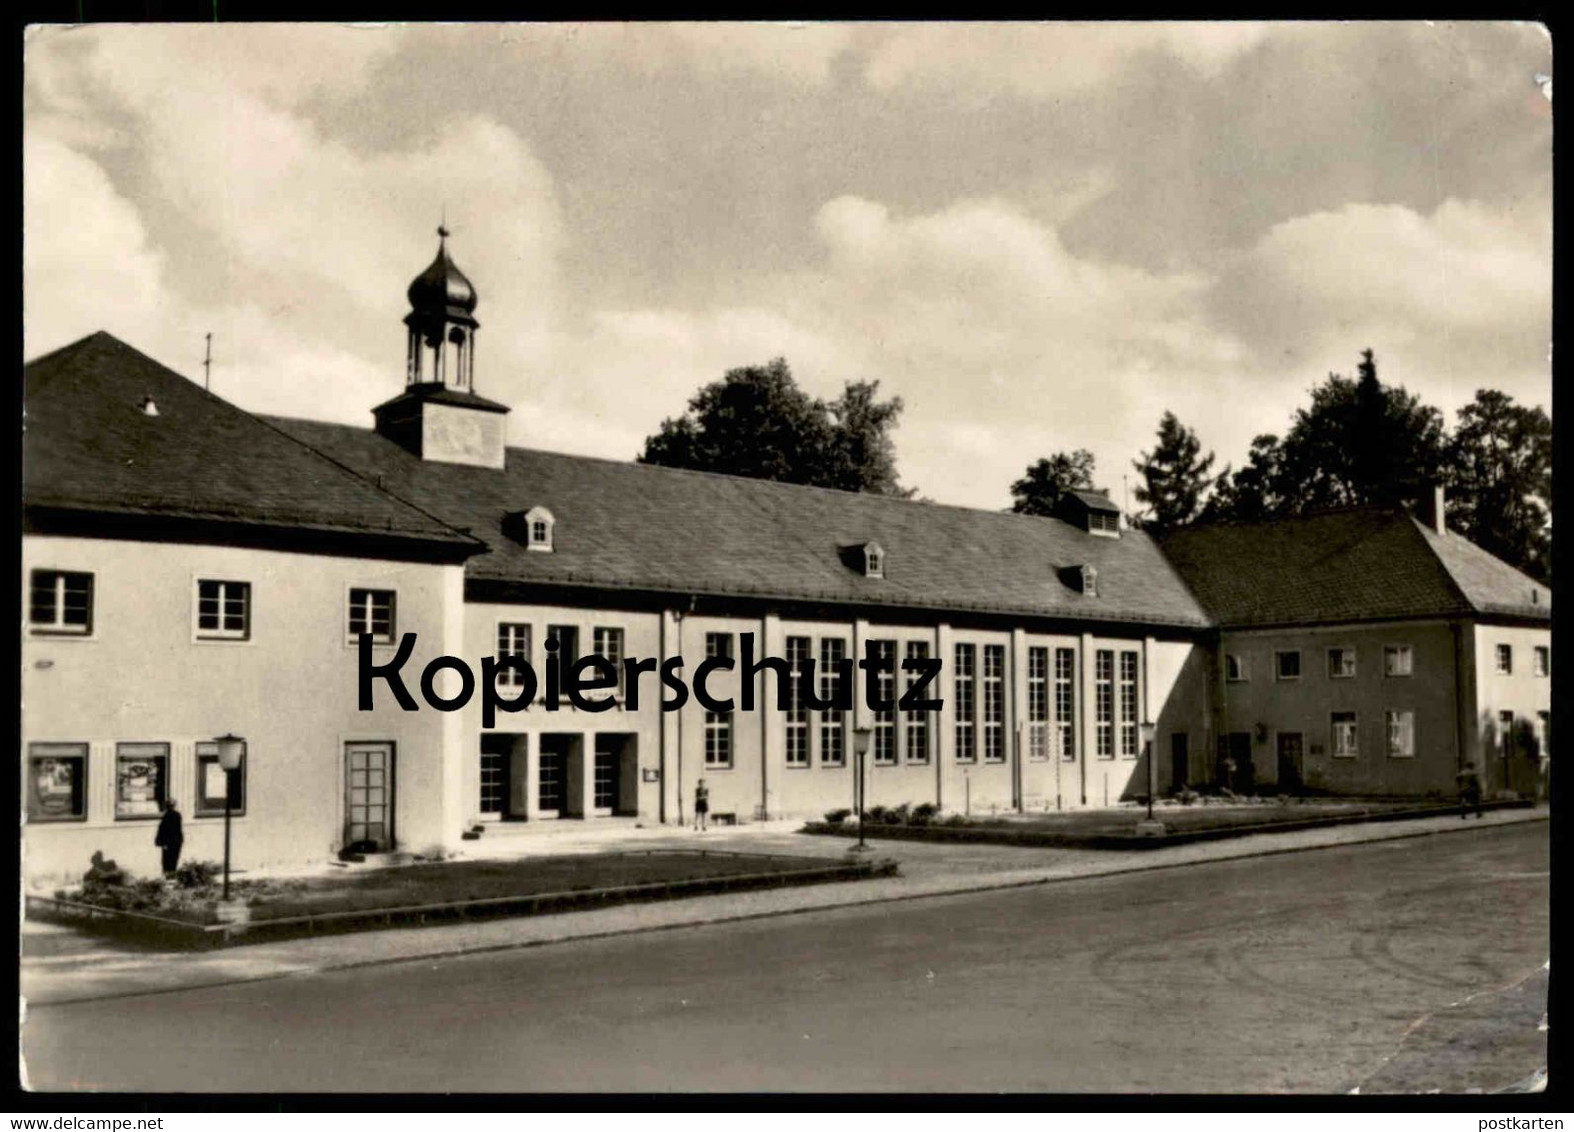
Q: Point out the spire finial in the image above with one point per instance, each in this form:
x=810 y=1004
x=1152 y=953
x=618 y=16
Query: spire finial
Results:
x=442 y=224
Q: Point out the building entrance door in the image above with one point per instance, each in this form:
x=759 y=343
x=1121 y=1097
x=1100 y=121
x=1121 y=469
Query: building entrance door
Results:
x=369 y=796
x=1289 y=760
x=505 y=768
x=551 y=773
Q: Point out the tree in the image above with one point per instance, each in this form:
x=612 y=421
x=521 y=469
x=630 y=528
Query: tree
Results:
x=1500 y=482
x=1174 y=476
x=1040 y=489
x=1250 y=494
x=1360 y=442
x=863 y=456
x=757 y=422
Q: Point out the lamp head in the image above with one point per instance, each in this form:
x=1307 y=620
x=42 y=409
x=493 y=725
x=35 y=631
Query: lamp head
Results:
x=862 y=736
x=1148 y=730
x=232 y=748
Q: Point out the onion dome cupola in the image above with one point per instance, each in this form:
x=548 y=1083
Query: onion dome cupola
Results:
x=439 y=416
x=442 y=324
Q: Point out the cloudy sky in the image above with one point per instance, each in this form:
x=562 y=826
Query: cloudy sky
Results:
x=1039 y=236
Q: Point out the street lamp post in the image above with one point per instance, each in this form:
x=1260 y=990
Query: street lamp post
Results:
x=232 y=748
x=861 y=739
x=1153 y=773
x=1150 y=827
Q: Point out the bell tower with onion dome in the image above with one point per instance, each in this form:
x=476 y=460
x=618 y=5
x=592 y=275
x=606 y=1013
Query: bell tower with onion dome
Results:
x=439 y=416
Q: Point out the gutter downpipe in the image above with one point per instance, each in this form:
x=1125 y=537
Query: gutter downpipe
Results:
x=678 y=616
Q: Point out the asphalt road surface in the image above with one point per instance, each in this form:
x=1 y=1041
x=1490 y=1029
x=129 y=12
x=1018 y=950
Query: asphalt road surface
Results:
x=1401 y=965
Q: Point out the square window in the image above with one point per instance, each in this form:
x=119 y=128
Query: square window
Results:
x=212 y=785
x=1234 y=669
x=223 y=610
x=1344 y=737
x=56 y=782
x=60 y=602
x=1398 y=660
x=1341 y=662
x=1542 y=660
x=372 y=611
x=141 y=780
x=1288 y=664
x=1505 y=659
x=1401 y=734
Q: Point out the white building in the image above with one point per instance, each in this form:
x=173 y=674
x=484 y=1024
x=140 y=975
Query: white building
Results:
x=193 y=570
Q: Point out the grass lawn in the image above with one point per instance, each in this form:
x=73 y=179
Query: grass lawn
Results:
x=513 y=884
x=451 y=882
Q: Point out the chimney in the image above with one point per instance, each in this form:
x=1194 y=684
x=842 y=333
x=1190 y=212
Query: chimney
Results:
x=1435 y=512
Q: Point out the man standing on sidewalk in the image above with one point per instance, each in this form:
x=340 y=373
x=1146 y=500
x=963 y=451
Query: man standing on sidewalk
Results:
x=1469 y=791
x=170 y=837
x=701 y=805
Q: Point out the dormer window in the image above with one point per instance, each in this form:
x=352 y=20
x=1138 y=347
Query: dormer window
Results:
x=538 y=529
x=1090 y=581
x=874 y=560
x=1092 y=510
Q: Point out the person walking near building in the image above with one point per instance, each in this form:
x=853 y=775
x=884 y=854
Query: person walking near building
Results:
x=701 y=804
x=170 y=837
x=1469 y=791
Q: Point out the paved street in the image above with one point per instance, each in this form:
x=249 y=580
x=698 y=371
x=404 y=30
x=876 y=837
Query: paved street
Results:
x=1404 y=965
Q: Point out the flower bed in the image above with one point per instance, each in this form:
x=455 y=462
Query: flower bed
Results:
x=1116 y=829
x=426 y=893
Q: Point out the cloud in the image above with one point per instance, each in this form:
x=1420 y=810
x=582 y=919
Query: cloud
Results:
x=796 y=53
x=1451 y=300
x=1048 y=60
x=1009 y=302
x=271 y=234
x=1004 y=345
x=86 y=261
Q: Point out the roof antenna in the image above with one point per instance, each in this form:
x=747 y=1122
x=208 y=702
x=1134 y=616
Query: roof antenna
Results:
x=207 y=361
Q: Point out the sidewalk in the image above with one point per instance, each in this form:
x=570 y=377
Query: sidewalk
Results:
x=60 y=965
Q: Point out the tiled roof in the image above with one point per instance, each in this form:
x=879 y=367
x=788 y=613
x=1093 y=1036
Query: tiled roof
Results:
x=1487 y=582
x=89 y=446
x=1094 y=500
x=1361 y=564
x=640 y=527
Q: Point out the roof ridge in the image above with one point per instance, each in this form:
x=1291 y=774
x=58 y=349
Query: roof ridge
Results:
x=781 y=484
x=1313 y=513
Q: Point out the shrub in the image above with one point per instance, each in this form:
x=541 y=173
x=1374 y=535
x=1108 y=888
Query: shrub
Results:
x=1187 y=796
x=897 y=816
x=923 y=814
x=198 y=874
x=875 y=813
x=955 y=820
x=837 y=817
